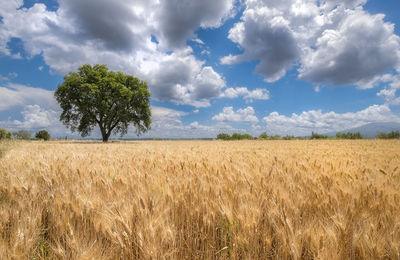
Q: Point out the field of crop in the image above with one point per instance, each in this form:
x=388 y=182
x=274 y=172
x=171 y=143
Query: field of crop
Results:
x=200 y=199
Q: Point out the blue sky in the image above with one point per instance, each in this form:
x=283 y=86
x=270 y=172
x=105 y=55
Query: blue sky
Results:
x=281 y=67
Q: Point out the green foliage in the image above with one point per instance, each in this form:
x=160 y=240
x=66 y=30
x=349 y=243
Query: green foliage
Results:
x=263 y=136
x=269 y=137
x=318 y=136
x=275 y=137
x=223 y=136
x=43 y=134
x=111 y=100
x=4 y=134
x=391 y=135
x=349 y=135
x=288 y=137
x=235 y=136
x=22 y=134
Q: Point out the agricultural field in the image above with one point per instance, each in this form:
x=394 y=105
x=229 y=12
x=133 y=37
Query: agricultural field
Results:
x=330 y=199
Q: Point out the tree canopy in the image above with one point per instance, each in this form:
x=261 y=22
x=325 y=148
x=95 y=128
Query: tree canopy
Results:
x=111 y=100
x=43 y=134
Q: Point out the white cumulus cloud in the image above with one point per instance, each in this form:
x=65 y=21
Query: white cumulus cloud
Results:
x=13 y=95
x=361 y=47
x=248 y=95
x=315 y=120
x=241 y=115
x=331 y=42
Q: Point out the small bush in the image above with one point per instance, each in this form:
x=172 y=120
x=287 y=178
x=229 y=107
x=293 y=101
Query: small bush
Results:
x=4 y=134
x=43 y=134
x=263 y=136
x=318 y=136
x=288 y=137
x=235 y=136
x=223 y=136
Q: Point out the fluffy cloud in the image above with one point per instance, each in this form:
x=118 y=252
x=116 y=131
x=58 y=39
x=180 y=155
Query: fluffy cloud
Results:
x=35 y=118
x=266 y=38
x=317 y=121
x=165 y=117
x=208 y=84
x=334 y=42
x=180 y=18
x=248 y=95
x=12 y=95
x=391 y=85
x=118 y=25
x=389 y=95
x=120 y=35
x=241 y=115
x=37 y=107
x=181 y=78
x=361 y=47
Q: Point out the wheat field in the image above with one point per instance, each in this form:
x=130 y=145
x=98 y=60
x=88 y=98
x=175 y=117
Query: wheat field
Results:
x=299 y=199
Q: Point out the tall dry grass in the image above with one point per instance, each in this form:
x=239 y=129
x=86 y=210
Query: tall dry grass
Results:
x=201 y=199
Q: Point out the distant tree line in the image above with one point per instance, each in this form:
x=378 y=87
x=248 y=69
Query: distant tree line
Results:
x=391 y=135
x=349 y=135
x=24 y=135
x=265 y=136
x=318 y=136
x=234 y=136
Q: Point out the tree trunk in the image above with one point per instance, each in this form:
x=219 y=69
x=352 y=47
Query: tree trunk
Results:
x=104 y=134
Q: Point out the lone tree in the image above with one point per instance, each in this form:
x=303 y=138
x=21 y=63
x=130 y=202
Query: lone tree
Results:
x=43 y=134
x=112 y=100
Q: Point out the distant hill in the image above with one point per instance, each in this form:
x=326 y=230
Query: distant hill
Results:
x=370 y=130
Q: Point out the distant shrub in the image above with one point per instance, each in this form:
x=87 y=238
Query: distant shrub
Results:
x=349 y=135
x=275 y=137
x=235 y=136
x=223 y=136
x=318 y=136
x=4 y=134
x=22 y=134
x=43 y=134
x=391 y=135
x=263 y=136
x=288 y=137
